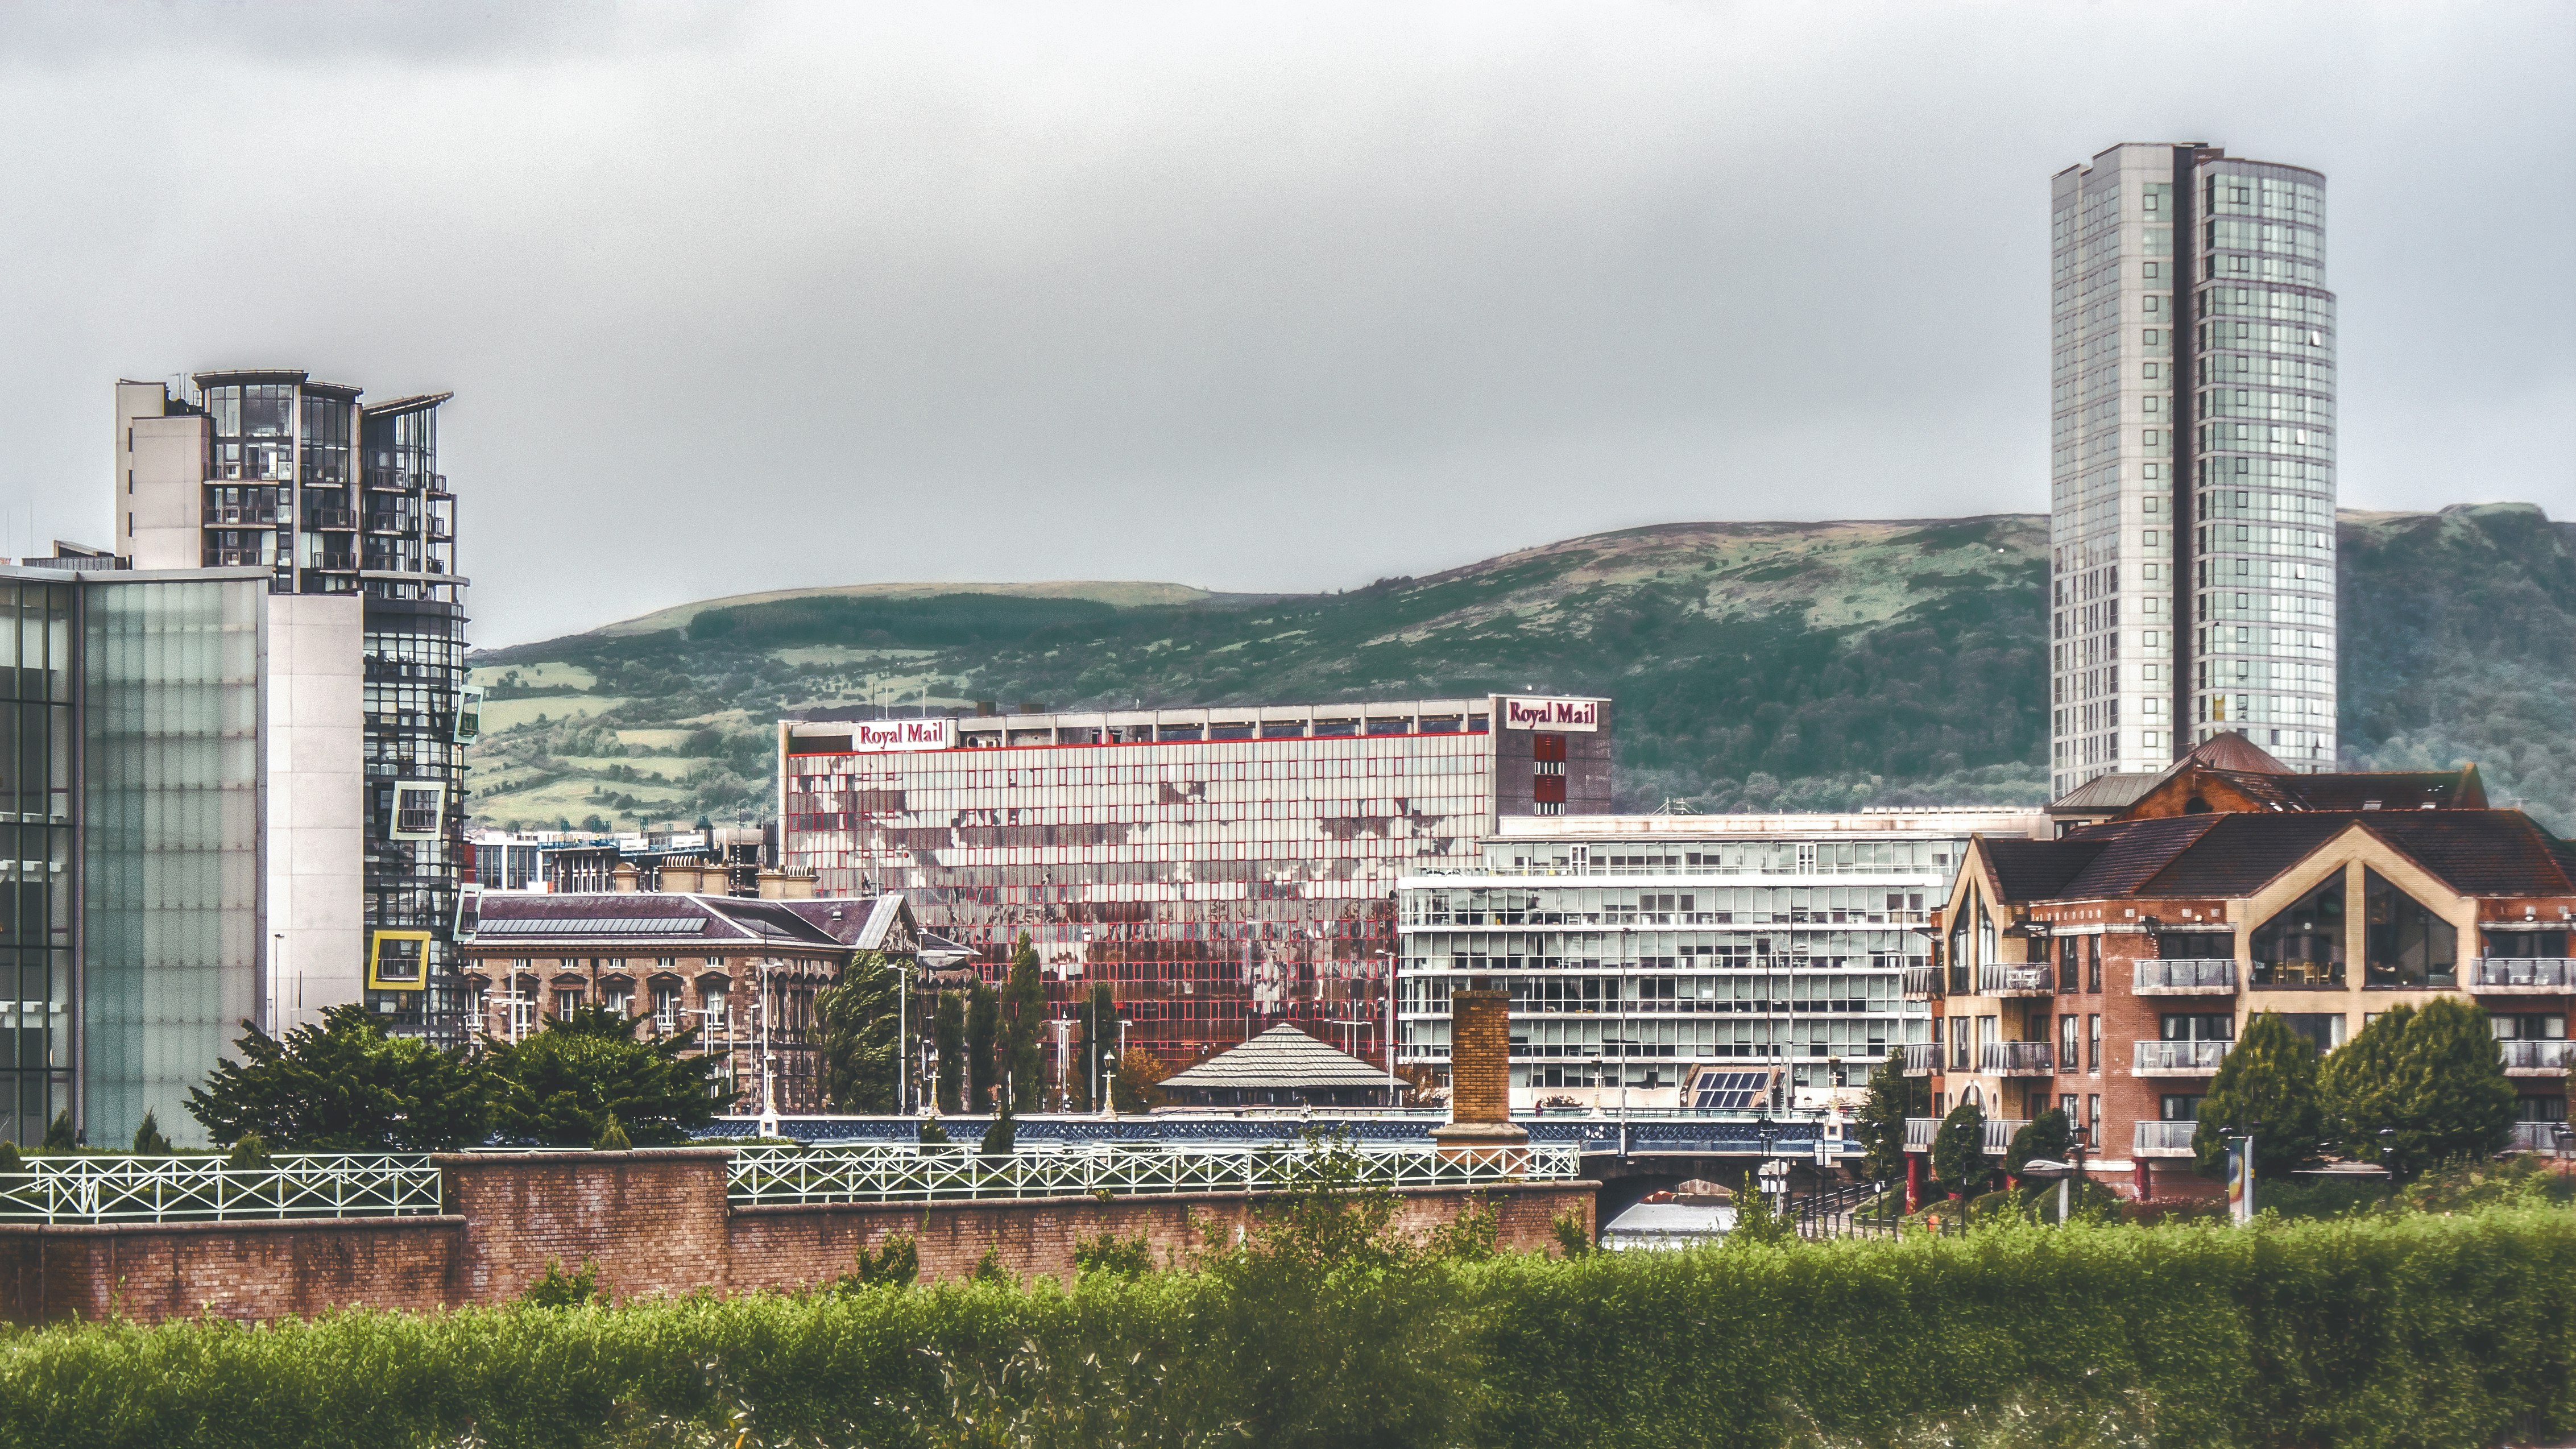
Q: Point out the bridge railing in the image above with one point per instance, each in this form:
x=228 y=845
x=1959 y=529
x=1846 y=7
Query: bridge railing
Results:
x=773 y=1174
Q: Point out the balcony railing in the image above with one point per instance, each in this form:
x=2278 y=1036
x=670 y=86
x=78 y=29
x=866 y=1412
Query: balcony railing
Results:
x=2297 y=975
x=1922 y=1058
x=2000 y=1132
x=1919 y=1132
x=2184 y=976
x=2163 y=1139
x=330 y=518
x=219 y=517
x=2541 y=975
x=1921 y=982
x=2016 y=1059
x=2535 y=1137
x=2540 y=1058
x=2015 y=980
x=2180 y=1058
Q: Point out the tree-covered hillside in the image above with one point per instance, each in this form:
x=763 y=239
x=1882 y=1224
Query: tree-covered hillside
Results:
x=1808 y=666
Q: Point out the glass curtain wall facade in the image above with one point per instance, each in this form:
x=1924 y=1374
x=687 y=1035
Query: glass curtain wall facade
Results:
x=1221 y=873
x=1631 y=962
x=170 y=869
x=37 y=930
x=2191 y=461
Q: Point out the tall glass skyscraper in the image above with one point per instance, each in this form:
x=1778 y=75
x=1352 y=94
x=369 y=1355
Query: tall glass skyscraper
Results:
x=2192 y=495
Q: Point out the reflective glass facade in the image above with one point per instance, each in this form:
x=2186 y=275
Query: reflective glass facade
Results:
x=2191 y=461
x=170 y=856
x=1223 y=871
x=37 y=918
x=1633 y=957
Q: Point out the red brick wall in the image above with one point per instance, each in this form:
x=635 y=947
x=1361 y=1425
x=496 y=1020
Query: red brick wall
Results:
x=790 y=1247
x=246 y=1270
x=653 y=1220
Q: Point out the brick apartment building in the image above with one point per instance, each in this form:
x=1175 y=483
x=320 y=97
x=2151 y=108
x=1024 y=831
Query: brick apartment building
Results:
x=2107 y=972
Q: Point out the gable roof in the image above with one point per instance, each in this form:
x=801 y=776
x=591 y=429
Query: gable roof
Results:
x=2235 y=854
x=1283 y=1056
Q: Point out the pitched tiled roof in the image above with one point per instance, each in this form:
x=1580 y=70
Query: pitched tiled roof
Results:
x=1283 y=1056
x=2106 y=792
x=636 y=917
x=2224 y=854
x=2232 y=751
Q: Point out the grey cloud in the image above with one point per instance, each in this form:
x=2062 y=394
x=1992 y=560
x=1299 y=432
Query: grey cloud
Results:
x=1251 y=297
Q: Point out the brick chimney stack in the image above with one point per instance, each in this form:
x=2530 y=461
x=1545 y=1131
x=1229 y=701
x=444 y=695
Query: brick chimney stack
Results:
x=1480 y=1075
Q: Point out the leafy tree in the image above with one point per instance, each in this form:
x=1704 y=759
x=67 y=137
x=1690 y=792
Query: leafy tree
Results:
x=342 y=1085
x=1759 y=1222
x=948 y=1034
x=1138 y=1084
x=1959 y=1149
x=2046 y=1137
x=983 y=1030
x=2267 y=1086
x=563 y=1085
x=857 y=1021
x=148 y=1141
x=2431 y=1078
x=1098 y=1019
x=1893 y=1097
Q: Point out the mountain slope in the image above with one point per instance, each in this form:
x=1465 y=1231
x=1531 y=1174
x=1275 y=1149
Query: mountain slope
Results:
x=1814 y=666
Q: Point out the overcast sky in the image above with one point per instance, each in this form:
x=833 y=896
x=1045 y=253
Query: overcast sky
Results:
x=1253 y=298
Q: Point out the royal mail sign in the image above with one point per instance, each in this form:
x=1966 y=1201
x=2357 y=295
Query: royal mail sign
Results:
x=869 y=737
x=1551 y=714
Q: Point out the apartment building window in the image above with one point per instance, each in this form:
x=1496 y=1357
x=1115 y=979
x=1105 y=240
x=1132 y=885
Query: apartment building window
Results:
x=666 y=1007
x=2066 y=1109
x=2066 y=949
x=2093 y=1052
x=2093 y=965
x=2093 y=1118
x=2066 y=1026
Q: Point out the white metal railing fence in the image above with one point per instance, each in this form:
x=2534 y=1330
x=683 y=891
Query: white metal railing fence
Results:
x=2178 y=973
x=2163 y=1139
x=103 y=1189
x=1919 y=1132
x=2530 y=973
x=2000 y=1131
x=1920 y=981
x=869 y=1172
x=2015 y=978
x=2547 y=1056
x=1922 y=1058
x=2181 y=1056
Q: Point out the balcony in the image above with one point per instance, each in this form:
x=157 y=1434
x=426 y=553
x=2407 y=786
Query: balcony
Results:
x=1919 y=1132
x=338 y=561
x=2521 y=975
x=2298 y=976
x=1922 y=1058
x=217 y=517
x=2000 y=1132
x=2181 y=976
x=2030 y=980
x=2536 y=1058
x=2180 y=1058
x=2163 y=1139
x=1921 y=982
x=2535 y=1137
x=2016 y=1059
x=401 y=523
x=330 y=518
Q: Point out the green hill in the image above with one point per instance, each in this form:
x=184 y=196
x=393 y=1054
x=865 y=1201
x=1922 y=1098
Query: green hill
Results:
x=1756 y=665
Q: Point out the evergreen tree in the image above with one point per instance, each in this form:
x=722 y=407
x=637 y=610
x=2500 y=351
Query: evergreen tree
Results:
x=1022 y=1067
x=2453 y=1100
x=1959 y=1150
x=2045 y=1137
x=2357 y=1083
x=948 y=1037
x=59 y=1136
x=342 y=1085
x=2265 y=1086
x=567 y=1084
x=1098 y=1018
x=148 y=1141
x=983 y=1062
x=857 y=1021
x=1893 y=1097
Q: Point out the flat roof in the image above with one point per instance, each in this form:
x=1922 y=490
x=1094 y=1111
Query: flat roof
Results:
x=1945 y=821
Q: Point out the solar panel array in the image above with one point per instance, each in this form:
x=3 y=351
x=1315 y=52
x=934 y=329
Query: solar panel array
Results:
x=601 y=926
x=1729 y=1091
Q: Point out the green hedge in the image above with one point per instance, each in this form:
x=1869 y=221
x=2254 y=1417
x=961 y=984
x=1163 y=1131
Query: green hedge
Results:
x=2382 y=1330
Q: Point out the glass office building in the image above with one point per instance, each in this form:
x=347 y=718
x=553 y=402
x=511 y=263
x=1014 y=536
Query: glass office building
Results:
x=2192 y=485
x=38 y=670
x=333 y=495
x=1639 y=948
x=1223 y=870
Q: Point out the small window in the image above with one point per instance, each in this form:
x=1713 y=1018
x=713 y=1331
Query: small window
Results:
x=417 y=808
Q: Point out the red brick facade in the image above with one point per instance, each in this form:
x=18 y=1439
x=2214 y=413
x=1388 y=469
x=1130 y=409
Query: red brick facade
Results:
x=655 y=1222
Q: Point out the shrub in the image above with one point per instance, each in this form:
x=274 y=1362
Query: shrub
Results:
x=1109 y=1253
x=895 y=1265
x=1759 y=1223
x=612 y=1136
x=1573 y=1239
x=59 y=1137
x=249 y=1154
x=148 y=1139
x=2046 y=1137
x=556 y=1288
